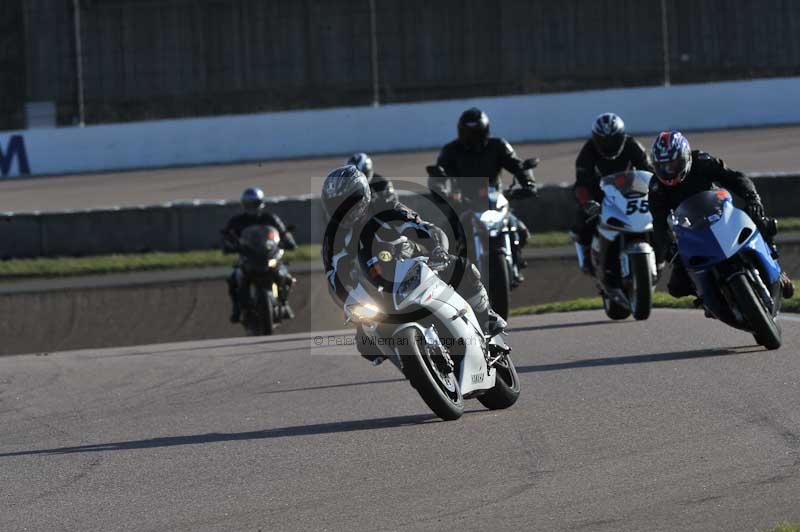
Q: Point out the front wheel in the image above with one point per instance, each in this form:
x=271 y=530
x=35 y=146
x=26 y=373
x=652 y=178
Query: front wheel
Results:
x=641 y=286
x=614 y=310
x=506 y=388
x=499 y=282
x=425 y=369
x=765 y=330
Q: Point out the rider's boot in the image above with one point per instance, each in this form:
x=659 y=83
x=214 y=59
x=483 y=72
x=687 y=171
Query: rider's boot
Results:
x=233 y=293
x=787 y=286
x=491 y=322
x=236 y=313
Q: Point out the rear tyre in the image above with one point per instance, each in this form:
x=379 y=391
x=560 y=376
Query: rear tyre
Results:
x=421 y=366
x=499 y=283
x=613 y=310
x=506 y=388
x=641 y=286
x=765 y=330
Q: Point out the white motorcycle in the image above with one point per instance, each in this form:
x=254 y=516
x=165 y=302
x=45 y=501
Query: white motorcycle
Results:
x=429 y=332
x=622 y=255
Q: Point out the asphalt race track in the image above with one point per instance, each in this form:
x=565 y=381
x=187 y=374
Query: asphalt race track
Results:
x=750 y=150
x=677 y=423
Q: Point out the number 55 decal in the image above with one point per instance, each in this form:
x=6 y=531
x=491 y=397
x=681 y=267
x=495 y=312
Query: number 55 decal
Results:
x=641 y=205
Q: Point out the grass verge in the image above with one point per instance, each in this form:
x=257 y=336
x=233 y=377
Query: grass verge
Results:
x=104 y=264
x=787 y=527
x=660 y=300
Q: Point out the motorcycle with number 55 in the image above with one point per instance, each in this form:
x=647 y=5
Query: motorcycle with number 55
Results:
x=622 y=255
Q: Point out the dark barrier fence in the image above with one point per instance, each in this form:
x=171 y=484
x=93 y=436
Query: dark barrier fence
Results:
x=190 y=226
x=146 y=59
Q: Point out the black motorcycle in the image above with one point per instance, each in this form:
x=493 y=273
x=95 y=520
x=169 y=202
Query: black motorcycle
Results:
x=492 y=235
x=262 y=295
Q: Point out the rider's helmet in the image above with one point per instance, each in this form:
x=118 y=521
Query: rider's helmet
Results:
x=672 y=157
x=473 y=129
x=346 y=195
x=363 y=162
x=252 y=200
x=608 y=135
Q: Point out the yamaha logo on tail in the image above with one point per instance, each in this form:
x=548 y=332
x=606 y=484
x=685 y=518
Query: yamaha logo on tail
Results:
x=13 y=150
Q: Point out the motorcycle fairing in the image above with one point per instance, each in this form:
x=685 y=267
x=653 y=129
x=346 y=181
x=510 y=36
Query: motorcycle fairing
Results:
x=621 y=190
x=710 y=229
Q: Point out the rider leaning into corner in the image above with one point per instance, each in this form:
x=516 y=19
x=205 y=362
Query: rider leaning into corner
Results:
x=473 y=157
x=608 y=151
x=381 y=187
x=682 y=173
x=254 y=214
x=350 y=206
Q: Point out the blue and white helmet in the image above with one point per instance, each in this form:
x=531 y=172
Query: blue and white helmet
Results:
x=363 y=162
x=252 y=200
x=672 y=157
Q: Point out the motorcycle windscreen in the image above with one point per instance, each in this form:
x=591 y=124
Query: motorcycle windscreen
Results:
x=633 y=183
x=702 y=209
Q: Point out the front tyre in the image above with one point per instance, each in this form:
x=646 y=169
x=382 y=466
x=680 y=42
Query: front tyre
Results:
x=614 y=310
x=506 y=387
x=424 y=368
x=499 y=282
x=641 y=286
x=764 y=328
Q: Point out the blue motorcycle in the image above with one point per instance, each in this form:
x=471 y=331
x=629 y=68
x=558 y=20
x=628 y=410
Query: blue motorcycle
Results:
x=730 y=264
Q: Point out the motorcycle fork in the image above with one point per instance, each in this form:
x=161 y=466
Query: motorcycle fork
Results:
x=600 y=256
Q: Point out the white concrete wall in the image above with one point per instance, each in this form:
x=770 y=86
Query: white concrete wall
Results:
x=399 y=127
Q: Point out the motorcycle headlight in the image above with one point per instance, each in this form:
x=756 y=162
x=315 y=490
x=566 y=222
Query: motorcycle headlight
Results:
x=492 y=219
x=366 y=312
x=410 y=282
x=272 y=263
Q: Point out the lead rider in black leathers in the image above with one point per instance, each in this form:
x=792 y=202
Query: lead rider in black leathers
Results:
x=347 y=186
x=471 y=159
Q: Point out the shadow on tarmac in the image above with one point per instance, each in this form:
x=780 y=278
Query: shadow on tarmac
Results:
x=215 y=437
x=639 y=359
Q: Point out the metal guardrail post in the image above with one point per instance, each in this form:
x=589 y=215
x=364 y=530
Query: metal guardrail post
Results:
x=76 y=5
x=373 y=27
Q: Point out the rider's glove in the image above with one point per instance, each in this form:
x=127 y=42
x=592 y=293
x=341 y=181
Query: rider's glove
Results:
x=591 y=209
x=755 y=208
x=439 y=259
x=407 y=249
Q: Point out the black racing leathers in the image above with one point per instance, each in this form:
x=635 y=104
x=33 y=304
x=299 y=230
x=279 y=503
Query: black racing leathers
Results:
x=340 y=245
x=706 y=172
x=463 y=166
x=230 y=241
x=233 y=229
x=590 y=166
x=340 y=248
x=383 y=191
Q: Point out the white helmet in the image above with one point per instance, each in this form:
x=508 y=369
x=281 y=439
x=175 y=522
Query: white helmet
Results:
x=346 y=195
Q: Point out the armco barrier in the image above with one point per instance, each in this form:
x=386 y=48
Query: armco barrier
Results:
x=197 y=224
x=290 y=134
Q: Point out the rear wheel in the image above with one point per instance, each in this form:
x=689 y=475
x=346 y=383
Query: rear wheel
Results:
x=499 y=283
x=765 y=330
x=506 y=388
x=426 y=370
x=641 y=286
